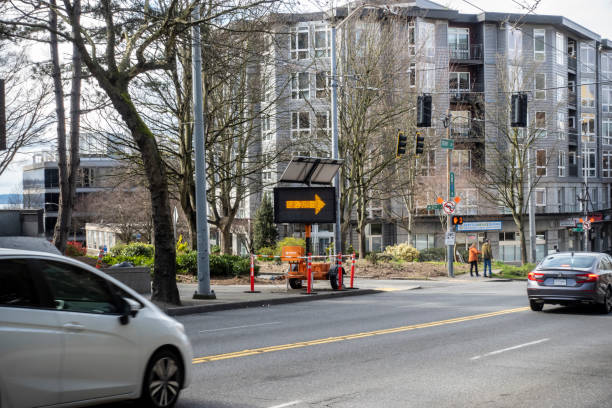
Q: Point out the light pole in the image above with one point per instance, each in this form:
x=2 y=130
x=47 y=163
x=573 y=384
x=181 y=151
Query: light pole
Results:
x=334 y=109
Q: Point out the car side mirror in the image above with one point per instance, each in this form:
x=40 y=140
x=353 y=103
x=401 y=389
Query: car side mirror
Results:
x=130 y=308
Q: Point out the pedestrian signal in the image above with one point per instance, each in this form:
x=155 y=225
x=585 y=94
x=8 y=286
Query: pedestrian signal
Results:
x=419 y=143
x=402 y=140
x=457 y=220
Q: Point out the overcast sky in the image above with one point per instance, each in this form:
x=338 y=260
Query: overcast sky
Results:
x=595 y=15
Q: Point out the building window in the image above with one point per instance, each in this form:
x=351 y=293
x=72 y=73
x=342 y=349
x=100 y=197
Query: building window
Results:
x=559 y=44
x=266 y=134
x=300 y=85
x=540 y=197
x=539 y=52
x=515 y=42
x=412 y=75
x=427 y=77
x=606 y=65
x=323 y=125
x=515 y=78
x=266 y=176
x=589 y=161
x=299 y=42
x=411 y=39
x=571 y=156
x=587 y=58
x=459 y=42
x=423 y=241
x=540 y=86
x=588 y=127
x=562 y=165
x=560 y=88
x=459 y=81
x=540 y=162
x=561 y=125
x=322 y=41
x=426 y=164
x=426 y=39
x=540 y=123
x=300 y=125
x=606 y=163
x=606 y=98
x=462 y=160
x=587 y=95
x=469 y=201
x=322 y=84
x=461 y=123
x=606 y=132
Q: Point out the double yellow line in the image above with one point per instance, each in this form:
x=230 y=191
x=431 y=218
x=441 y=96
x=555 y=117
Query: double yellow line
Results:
x=261 y=350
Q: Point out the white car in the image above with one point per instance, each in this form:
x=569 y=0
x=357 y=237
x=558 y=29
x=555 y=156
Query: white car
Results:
x=72 y=336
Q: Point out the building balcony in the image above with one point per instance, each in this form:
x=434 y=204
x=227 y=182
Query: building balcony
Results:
x=471 y=54
x=572 y=137
x=472 y=95
x=573 y=170
x=572 y=63
x=571 y=98
x=464 y=132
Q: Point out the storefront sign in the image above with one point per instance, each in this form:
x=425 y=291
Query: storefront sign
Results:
x=480 y=226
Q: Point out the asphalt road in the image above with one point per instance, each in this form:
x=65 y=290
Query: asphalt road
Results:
x=449 y=344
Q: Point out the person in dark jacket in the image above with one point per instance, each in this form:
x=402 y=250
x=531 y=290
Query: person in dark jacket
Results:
x=487 y=255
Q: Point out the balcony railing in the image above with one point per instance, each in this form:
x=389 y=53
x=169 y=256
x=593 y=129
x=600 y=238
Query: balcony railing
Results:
x=473 y=52
x=473 y=130
x=573 y=170
x=572 y=63
x=572 y=136
x=466 y=95
x=571 y=98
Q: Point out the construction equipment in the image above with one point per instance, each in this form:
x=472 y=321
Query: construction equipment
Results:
x=298 y=264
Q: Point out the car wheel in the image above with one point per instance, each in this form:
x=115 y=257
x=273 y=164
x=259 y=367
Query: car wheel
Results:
x=163 y=380
x=295 y=283
x=333 y=277
x=536 y=306
x=606 y=306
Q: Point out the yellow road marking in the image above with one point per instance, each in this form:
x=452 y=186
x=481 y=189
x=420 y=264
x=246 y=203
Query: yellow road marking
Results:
x=250 y=352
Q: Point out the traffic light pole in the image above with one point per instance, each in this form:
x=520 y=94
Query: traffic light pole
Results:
x=450 y=256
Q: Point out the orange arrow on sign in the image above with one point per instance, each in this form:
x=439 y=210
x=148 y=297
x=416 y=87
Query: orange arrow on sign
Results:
x=317 y=204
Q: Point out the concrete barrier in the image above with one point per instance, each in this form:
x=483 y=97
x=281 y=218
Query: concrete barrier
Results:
x=137 y=278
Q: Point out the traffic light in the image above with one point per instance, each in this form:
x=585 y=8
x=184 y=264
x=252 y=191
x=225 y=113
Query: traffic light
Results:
x=519 y=110
x=424 y=111
x=457 y=220
x=402 y=140
x=419 y=143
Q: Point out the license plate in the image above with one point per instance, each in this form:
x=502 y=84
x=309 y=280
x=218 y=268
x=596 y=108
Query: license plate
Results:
x=559 y=282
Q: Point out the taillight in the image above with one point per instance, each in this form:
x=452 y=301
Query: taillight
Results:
x=586 y=277
x=535 y=276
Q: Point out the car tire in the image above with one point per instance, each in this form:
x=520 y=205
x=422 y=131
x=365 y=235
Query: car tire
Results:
x=163 y=380
x=295 y=283
x=606 y=306
x=333 y=276
x=536 y=306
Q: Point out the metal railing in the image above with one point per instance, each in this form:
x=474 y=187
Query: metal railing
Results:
x=473 y=52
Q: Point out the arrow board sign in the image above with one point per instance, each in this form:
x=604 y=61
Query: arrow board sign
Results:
x=304 y=205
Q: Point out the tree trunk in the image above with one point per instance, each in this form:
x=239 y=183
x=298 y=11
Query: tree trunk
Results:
x=226 y=238
x=523 y=242
x=362 y=242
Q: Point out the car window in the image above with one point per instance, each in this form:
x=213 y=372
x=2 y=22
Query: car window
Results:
x=568 y=261
x=77 y=290
x=16 y=285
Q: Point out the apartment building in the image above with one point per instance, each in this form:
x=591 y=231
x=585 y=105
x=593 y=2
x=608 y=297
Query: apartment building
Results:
x=469 y=63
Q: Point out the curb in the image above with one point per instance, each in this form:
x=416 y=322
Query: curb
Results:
x=186 y=310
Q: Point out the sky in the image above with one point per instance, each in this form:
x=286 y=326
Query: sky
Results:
x=595 y=15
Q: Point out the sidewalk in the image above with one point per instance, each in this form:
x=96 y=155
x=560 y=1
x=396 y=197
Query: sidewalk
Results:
x=238 y=296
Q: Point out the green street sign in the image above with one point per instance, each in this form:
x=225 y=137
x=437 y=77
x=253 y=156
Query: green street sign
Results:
x=447 y=143
x=578 y=229
x=432 y=207
x=452 y=184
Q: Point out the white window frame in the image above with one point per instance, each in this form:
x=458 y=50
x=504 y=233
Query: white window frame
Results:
x=297 y=130
x=560 y=46
x=426 y=75
x=266 y=127
x=606 y=98
x=323 y=132
x=589 y=135
x=606 y=158
x=589 y=162
x=458 y=76
x=539 y=36
x=322 y=92
x=560 y=88
x=541 y=168
x=411 y=39
x=561 y=122
x=295 y=52
x=540 y=91
x=587 y=58
x=540 y=197
x=515 y=42
x=606 y=67
x=562 y=164
x=587 y=95
x=426 y=164
x=322 y=51
x=606 y=132
x=541 y=126
x=454 y=49
x=298 y=90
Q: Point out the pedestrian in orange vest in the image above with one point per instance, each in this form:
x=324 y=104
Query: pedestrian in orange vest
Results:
x=473 y=259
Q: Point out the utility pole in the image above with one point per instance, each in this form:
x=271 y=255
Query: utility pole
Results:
x=586 y=200
x=450 y=256
x=334 y=109
x=204 y=291
x=532 y=227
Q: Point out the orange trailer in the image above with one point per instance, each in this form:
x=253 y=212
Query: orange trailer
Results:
x=298 y=264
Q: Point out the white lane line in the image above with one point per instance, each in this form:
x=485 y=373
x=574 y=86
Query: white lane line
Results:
x=531 y=343
x=240 y=327
x=288 y=404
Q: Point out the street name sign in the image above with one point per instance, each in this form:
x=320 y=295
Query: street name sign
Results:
x=304 y=205
x=452 y=184
x=447 y=143
x=480 y=226
x=432 y=207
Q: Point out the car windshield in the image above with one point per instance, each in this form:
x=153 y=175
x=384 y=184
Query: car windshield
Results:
x=568 y=261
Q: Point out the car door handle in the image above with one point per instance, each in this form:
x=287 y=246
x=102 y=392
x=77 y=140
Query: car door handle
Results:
x=73 y=327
